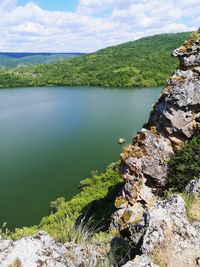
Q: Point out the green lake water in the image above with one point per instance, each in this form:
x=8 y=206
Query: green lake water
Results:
x=51 y=138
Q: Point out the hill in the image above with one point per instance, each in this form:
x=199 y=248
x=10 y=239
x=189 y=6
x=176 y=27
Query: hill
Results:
x=14 y=59
x=144 y=62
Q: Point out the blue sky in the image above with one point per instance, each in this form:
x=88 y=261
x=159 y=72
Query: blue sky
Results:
x=62 y=5
x=89 y=25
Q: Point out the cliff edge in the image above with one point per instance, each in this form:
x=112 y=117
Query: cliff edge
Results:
x=158 y=231
x=174 y=120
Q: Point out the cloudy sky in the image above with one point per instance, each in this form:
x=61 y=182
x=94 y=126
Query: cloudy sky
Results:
x=88 y=25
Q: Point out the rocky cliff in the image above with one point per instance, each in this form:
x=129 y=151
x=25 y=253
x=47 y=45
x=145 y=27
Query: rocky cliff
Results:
x=174 y=119
x=157 y=230
x=144 y=167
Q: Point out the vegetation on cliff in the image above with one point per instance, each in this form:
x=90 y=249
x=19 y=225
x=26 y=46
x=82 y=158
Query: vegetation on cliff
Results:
x=94 y=205
x=145 y=62
x=185 y=165
x=95 y=202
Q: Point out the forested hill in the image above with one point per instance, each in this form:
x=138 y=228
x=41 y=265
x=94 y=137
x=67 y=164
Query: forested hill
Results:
x=144 y=62
x=14 y=59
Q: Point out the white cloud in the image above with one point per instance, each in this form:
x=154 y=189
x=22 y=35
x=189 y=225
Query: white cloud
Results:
x=94 y=25
x=7 y=4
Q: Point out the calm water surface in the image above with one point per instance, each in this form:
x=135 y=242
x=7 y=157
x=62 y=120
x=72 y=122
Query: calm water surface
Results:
x=51 y=138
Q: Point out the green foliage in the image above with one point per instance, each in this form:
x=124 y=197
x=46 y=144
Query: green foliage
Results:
x=185 y=165
x=28 y=60
x=4 y=231
x=79 y=233
x=95 y=200
x=144 y=63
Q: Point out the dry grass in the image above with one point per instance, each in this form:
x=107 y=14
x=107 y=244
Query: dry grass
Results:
x=166 y=257
x=192 y=203
x=16 y=263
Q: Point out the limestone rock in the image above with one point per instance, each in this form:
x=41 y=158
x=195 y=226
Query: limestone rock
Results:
x=42 y=250
x=140 y=261
x=144 y=169
x=121 y=140
x=189 y=57
x=175 y=119
x=193 y=187
x=33 y=251
x=170 y=237
x=177 y=111
x=167 y=237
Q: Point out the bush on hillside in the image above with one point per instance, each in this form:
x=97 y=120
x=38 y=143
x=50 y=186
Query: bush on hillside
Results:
x=185 y=165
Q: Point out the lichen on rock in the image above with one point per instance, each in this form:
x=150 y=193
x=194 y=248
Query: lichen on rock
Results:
x=164 y=233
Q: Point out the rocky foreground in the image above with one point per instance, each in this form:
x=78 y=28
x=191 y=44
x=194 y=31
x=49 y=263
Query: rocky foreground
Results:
x=159 y=229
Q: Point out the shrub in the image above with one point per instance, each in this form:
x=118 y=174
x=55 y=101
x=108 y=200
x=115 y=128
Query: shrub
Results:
x=95 y=200
x=185 y=165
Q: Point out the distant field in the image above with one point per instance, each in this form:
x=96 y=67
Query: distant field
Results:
x=10 y=59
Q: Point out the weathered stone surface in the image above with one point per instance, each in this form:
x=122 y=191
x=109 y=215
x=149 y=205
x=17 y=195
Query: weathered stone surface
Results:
x=42 y=250
x=176 y=112
x=144 y=169
x=170 y=234
x=193 y=187
x=168 y=238
x=140 y=261
x=189 y=57
x=34 y=251
x=175 y=119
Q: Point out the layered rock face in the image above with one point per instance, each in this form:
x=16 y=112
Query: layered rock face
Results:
x=175 y=118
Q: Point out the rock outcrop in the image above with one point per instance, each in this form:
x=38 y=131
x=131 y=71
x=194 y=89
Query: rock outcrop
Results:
x=175 y=119
x=37 y=250
x=169 y=239
x=41 y=250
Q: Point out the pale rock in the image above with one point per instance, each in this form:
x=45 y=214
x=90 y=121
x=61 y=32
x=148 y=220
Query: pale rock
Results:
x=193 y=187
x=140 y=261
x=42 y=250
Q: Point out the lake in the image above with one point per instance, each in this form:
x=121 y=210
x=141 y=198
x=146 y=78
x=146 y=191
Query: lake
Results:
x=51 y=138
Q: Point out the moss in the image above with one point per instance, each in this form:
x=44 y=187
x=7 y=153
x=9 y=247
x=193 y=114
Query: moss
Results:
x=179 y=79
x=132 y=151
x=119 y=201
x=127 y=215
x=114 y=232
x=166 y=88
x=187 y=44
x=154 y=131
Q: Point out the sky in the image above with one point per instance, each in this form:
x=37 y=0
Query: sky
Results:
x=89 y=25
